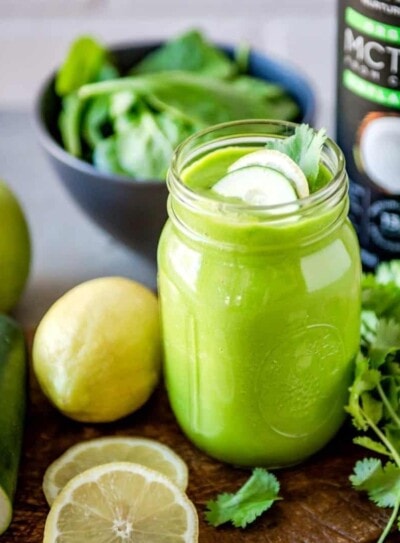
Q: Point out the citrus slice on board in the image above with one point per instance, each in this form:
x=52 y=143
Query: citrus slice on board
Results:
x=121 y=502
x=256 y=185
x=88 y=454
x=269 y=158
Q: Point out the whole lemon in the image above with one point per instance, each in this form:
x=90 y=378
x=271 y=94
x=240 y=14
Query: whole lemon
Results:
x=97 y=351
x=14 y=249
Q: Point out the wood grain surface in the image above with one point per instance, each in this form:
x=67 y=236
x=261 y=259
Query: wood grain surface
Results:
x=318 y=504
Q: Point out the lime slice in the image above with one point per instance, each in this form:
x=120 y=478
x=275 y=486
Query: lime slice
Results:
x=121 y=502
x=256 y=185
x=277 y=161
x=85 y=455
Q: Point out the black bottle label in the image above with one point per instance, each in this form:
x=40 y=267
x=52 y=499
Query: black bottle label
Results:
x=368 y=121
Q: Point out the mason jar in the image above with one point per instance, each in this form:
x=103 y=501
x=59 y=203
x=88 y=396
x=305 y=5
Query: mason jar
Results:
x=260 y=309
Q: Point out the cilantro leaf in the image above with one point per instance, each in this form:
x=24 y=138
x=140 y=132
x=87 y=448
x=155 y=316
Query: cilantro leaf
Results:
x=369 y=325
x=374 y=401
x=363 y=471
x=381 y=482
x=372 y=407
x=304 y=147
x=385 y=486
x=388 y=272
x=393 y=435
x=371 y=444
x=256 y=496
x=387 y=341
x=365 y=380
x=382 y=298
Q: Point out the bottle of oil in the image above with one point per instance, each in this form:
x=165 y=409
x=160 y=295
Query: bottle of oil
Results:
x=368 y=121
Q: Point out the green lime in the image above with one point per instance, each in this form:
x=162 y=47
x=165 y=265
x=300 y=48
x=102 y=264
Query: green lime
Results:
x=15 y=250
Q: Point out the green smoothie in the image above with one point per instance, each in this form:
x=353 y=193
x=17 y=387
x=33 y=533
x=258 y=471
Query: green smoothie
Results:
x=260 y=317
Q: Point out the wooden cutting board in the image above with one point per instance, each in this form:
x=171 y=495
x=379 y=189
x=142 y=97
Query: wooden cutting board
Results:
x=318 y=505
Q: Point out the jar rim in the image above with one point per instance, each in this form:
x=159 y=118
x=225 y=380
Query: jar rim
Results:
x=275 y=212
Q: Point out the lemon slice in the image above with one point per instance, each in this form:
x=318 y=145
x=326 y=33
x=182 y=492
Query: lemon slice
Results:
x=121 y=502
x=80 y=457
x=256 y=185
x=277 y=161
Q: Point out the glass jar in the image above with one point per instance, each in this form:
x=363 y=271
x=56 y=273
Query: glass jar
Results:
x=260 y=310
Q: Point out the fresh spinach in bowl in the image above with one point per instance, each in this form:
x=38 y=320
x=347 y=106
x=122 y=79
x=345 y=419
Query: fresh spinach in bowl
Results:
x=130 y=124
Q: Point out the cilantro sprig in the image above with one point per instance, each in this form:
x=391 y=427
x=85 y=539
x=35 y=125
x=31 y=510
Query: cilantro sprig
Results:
x=374 y=401
x=304 y=147
x=256 y=496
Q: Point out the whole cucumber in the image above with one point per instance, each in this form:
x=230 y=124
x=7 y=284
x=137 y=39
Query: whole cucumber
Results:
x=13 y=374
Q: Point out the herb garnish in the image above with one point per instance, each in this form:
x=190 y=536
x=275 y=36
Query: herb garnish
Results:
x=303 y=147
x=256 y=496
x=374 y=402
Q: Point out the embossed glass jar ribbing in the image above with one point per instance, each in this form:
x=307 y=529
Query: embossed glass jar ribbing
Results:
x=260 y=310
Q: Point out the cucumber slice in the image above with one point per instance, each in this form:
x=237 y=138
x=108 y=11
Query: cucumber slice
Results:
x=277 y=161
x=256 y=185
x=12 y=412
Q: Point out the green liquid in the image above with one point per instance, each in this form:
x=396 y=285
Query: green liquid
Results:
x=261 y=327
x=202 y=175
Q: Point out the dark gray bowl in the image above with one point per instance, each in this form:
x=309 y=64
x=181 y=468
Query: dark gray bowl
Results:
x=134 y=211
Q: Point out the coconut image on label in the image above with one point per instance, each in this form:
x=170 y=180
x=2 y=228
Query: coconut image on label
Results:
x=379 y=150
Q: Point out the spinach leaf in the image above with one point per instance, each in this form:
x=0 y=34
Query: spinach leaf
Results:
x=242 y=56
x=83 y=121
x=83 y=63
x=252 y=85
x=94 y=120
x=144 y=146
x=122 y=103
x=277 y=104
x=200 y=100
x=69 y=124
x=107 y=71
x=105 y=156
x=189 y=52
